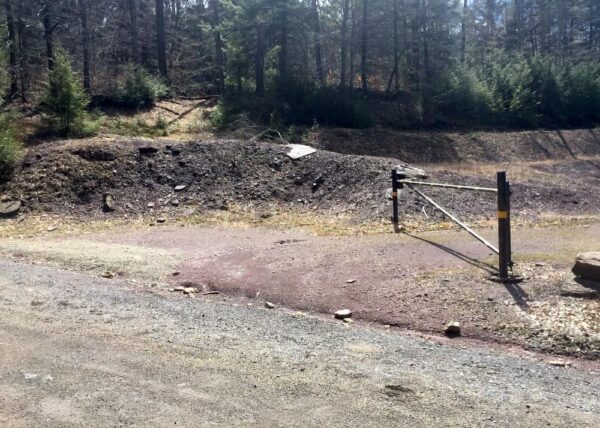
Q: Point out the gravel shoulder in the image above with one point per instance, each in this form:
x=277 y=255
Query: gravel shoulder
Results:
x=78 y=350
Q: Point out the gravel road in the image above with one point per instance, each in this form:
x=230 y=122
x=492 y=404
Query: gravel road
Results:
x=84 y=351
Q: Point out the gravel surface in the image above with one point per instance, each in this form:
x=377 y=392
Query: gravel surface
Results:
x=84 y=351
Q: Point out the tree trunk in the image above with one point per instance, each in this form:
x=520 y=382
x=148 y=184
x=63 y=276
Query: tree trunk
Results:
x=85 y=40
x=133 y=30
x=363 y=51
x=283 y=52
x=259 y=64
x=344 y=43
x=161 y=43
x=216 y=22
x=23 y=68
x=317 y=35
x=48 y=29
x=12 y=51
x=463 y=32
x=394 y=76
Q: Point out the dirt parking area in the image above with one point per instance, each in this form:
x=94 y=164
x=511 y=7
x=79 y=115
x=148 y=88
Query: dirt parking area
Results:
x=417 y=281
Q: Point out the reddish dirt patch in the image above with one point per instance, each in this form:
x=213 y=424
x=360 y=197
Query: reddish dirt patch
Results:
x=409 y=281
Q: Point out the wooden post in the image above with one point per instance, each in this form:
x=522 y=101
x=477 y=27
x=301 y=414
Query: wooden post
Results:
x=504 y=244
x=395 y=218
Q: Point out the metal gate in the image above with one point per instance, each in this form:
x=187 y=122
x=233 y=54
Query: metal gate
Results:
x=504 y=250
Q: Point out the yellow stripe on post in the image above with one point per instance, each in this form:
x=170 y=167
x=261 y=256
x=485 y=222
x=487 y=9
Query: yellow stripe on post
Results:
x=503 y=214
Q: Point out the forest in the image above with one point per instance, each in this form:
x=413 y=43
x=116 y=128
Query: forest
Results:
x=502 y=64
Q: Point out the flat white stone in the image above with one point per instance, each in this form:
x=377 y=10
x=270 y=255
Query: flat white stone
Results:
x=299 y=151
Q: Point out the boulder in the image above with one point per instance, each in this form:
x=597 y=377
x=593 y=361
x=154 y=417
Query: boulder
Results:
x=587 y=266
x=9 y=208
x=452 y=329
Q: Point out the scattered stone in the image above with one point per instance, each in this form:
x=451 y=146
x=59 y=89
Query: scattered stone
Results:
x=299 y=151
x=348 y=320
x=180 y=288
x=452 y=329
x=587 y=265
x=540 y=264
x=147 y=150
x=579 y=287
x=350 y=281
x=108 y=203
x=343 y=314
x=51 y=228
x=269 y=305
x=151 y=205
x=35 y=303
x=176 y=273
x=180 y=187
x=95 y=154
x=558 y=363
x=190 y=290
x=161 y=220
x=175 y=202
x=107 y=275
x=172 y=290
x=9 y=208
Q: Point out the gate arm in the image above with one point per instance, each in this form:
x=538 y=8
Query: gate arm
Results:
x=455 y=220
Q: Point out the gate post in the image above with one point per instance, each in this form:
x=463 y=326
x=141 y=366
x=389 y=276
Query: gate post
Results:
x=504 y=244
x=395 y=218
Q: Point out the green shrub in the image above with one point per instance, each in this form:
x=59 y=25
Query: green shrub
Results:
x=581 y=94
x=64 y=106
x=10 y=149
x=137 y=89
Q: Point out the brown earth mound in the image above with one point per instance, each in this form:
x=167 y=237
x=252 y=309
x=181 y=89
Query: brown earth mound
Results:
x=74 y=177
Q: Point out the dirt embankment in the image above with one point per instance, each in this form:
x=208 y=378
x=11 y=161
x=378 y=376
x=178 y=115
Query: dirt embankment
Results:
x=440 y=147
x=143 y=177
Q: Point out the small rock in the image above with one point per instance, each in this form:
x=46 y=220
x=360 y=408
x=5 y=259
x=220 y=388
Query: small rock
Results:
x=190 y=290
x=348 y=320
x=176 y=273
x=107 y=275
x=151 y=205
x=175 y=202
x=180 y=187
x=52 y=228
x=108 y=203
x=269 y=305
x=35 y=303
x=558 y=363
x=9 y=208
x=172 y=290
x=350 y=281
x=452 y=329
x=161 y=220
x=147 y=150
x=540 y=264
x=180 y=288
x=343 y=314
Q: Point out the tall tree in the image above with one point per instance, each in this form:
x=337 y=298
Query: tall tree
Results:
x=259 y=63
x=12 y=50
x=49 y=27
x=216 y=22
x=363 y=44
x=344 y=42
x=463 y=32
x=161 y=43
x=85 y=43
x=317 y=41
x=134 y=31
